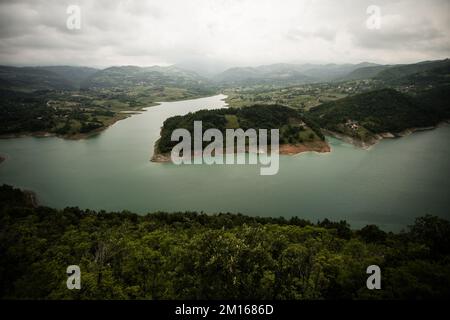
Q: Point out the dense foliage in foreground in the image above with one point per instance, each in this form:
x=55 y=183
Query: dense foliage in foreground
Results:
x=198 y=256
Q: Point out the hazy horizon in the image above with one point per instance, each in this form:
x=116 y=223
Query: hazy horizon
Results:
x=187 y=68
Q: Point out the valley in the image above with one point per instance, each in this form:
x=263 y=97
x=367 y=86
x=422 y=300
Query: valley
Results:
x=76 y=102
x=51 y=104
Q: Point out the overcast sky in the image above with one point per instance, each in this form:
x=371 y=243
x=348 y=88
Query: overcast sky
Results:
x=222 y=32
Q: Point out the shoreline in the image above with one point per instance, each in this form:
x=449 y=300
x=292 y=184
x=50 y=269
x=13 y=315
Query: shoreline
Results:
x=284 y=149
x=298 y=148
x=366 y=145
x=121 y=115
x=323 y=146
x=351 y=140
x=76 y=136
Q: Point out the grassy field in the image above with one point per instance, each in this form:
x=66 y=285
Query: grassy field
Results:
x=302 y=97
x=76 y=114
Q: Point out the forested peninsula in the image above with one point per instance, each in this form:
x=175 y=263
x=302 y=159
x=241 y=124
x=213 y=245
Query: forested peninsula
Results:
x=297 y=132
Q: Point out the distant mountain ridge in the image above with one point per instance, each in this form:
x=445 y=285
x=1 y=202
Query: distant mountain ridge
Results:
x=75 y=75
x=288 y=73
x=74 y=78
x=279 y=74
x=282 y=74
x=126 y=76
x=31 y=79
x=400 y=73
x=365 y=72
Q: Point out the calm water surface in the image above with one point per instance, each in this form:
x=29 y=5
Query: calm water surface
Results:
x=387 y=185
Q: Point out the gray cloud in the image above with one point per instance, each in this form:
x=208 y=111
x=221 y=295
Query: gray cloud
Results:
x=229 y=32
x=399 y=32
x=301 y=34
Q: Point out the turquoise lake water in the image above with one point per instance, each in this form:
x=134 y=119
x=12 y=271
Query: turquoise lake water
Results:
x=388 y=185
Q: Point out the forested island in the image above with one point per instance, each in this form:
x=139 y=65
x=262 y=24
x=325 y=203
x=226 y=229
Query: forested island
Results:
x=223 y=256
x=297 y=132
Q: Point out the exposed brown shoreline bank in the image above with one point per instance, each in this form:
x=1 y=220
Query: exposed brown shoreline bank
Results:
x=293 y=149
x=284 y=149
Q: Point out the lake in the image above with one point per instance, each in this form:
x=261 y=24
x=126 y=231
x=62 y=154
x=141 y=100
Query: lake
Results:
x=388 y=185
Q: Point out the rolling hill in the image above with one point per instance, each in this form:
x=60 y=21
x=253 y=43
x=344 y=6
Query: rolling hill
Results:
x=279 y=74
x=422 y=72
x=402 y=72
x=74 y=78
x=128 y=76
x=365 y=115
x=365 y=72
x=31 y=79
x=286 y=74
x=75 y=75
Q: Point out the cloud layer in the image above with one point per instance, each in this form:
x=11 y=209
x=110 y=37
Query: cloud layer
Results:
x=221 y=32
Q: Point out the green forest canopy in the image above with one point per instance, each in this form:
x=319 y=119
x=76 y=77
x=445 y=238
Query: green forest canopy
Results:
x=385 y=110
x=224 y=256
x=256 y=117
